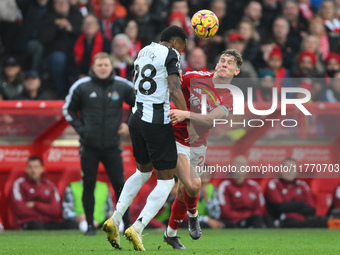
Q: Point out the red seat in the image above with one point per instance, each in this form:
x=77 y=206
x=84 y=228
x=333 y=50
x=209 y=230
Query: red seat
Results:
x=323 y=191
x=54 y=175
x=69 y=175
x=7 y=214
x=216 y=181
x=264 y=183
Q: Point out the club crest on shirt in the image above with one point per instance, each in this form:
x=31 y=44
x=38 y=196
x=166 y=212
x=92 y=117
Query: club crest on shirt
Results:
x=47 y=192
x=238 y=194
x=298 y=191
x=114 y=95
x=252 y=196
x=195 y=101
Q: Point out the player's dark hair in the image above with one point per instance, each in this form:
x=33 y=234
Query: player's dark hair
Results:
x=172 y=32
x=235 y=54
x=32 y=158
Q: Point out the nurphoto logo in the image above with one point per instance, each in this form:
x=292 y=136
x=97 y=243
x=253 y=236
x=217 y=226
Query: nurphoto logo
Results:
x=238 y=105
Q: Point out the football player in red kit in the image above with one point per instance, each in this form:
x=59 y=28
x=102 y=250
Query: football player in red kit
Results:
x=290 y=200
x=241 y=199
x=192 y=156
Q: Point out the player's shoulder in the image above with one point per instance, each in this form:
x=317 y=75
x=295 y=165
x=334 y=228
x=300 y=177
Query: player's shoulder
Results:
x=19 y=181
x=157 y=47
x=253 y=183
x=123 y=81
x=197 y=74
x=172 y=54
x=225 y=184
x=81 y=82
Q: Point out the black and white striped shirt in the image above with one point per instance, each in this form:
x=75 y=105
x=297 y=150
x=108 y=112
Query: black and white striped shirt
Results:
x=153 y=65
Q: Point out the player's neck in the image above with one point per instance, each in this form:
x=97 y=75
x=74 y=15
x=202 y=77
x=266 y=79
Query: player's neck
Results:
x=221 y=80
x=165 y=44
x=239 y=181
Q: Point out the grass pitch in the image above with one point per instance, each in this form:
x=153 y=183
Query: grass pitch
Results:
x=227 y=241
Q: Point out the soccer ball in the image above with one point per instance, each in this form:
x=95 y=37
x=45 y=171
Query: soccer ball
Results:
x=204 y=23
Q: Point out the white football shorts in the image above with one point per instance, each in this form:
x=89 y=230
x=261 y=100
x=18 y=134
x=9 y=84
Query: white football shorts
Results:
x=196 y=155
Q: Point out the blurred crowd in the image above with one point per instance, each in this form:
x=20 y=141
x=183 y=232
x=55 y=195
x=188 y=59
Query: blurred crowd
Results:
x=46 y=45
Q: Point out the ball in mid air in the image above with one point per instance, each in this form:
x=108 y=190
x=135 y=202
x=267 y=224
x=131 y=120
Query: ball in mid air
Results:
x=204 y=23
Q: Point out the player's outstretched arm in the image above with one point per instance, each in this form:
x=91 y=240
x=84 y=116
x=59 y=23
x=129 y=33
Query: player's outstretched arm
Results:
x=176 y=92
x=205 y=120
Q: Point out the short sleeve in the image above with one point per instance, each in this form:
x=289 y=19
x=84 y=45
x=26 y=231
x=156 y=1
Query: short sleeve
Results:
x=172 y=62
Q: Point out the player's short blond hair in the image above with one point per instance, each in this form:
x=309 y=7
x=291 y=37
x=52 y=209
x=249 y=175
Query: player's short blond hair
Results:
x=235 y=54
x=101 y=55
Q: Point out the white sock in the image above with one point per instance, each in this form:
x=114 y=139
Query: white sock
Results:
x=155 y=201
x=171 y=232
x=193 y=215
x=121 y=227
x=138 y=226
x=83 y=226
x=129 y=192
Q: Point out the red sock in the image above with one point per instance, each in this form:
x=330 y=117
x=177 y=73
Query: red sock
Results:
x=178 y=213
x=190 y=202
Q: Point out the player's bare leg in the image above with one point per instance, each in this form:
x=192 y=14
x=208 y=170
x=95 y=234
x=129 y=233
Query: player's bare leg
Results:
x=189 y=185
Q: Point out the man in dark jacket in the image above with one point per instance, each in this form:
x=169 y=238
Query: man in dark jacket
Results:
x=99 y=98
x=27 y=40
x=139 y=11
x=32 y=88
x=58 y=32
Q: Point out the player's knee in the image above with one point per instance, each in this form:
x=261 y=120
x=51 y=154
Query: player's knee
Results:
x=180 y=197
x=194 y=186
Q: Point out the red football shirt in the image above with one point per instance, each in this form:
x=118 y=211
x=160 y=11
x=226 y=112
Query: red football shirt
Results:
x=240 y=201
x=279 y=191
x=194 y=85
